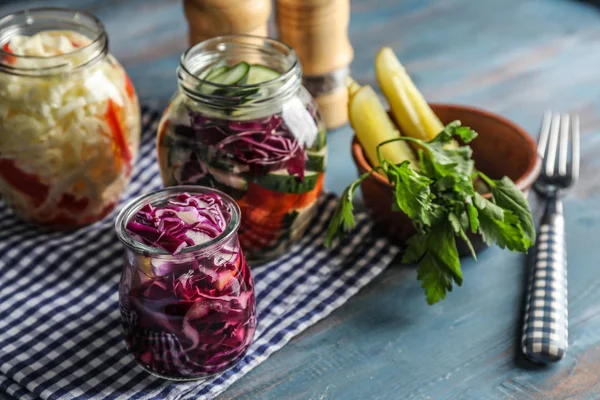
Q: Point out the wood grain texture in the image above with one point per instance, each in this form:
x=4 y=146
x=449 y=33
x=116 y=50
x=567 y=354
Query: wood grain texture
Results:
x=514 y=57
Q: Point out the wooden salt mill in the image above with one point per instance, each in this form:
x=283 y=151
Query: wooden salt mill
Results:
x=318 y=32
x=210 y=18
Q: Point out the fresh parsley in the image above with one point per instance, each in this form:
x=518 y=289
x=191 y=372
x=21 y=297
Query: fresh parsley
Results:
x=443 y=205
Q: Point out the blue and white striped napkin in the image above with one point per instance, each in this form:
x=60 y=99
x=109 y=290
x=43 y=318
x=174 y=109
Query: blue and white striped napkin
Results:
x=60 y=334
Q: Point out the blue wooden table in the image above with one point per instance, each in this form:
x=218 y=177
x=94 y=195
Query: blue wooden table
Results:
x=514 y=57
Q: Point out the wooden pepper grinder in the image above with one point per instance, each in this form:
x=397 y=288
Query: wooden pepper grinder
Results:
x=318 y=32
x=210 y=18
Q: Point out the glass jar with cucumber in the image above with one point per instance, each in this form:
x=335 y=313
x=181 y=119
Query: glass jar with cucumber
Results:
x=242 y=122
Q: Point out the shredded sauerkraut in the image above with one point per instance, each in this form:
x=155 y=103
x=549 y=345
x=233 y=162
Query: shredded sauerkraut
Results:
x=75 y=132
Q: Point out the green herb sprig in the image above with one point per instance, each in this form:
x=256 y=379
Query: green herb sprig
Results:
x=442 y=203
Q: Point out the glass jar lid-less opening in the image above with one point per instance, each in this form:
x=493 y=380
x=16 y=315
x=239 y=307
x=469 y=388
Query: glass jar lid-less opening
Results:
x=33 y=21
x=199 y=61
x=160 y=197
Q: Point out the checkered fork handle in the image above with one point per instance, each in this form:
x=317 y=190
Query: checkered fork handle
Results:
x=545 y=330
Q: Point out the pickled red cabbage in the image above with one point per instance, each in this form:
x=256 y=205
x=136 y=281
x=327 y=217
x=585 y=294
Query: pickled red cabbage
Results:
x=185 y=221
x=264 y=145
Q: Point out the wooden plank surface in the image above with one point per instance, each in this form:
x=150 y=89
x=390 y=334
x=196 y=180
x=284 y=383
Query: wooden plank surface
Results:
x=514 y=57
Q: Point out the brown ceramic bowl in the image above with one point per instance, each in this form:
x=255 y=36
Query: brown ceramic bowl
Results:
x=501 y=149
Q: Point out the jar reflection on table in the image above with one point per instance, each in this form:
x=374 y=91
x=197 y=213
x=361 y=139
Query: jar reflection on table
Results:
x=267 y=148
x=190 y=315
x=69 y=118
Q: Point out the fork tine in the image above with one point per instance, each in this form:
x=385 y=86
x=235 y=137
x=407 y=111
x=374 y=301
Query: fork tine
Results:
x=544 y=133
x=575 y=148
x=563 y=148
x=552 y=145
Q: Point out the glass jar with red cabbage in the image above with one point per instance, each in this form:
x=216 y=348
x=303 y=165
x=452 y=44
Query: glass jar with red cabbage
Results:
x=243 y=123
x=186 y=294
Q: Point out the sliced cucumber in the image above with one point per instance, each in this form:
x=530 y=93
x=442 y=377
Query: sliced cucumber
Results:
x=282 y=181
x=205 y=73
x=213 y=68
x=242 y=93
x=260 y=73
x=317 y=160
x=321 y=141
x=236 y=75
x=228 y=179
x=226 y=76
x=215 y=72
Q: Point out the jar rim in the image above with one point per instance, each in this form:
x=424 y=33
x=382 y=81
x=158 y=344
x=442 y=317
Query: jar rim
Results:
x=13 y=23
x=134 y=205
x=238 y=39
x=215 y=48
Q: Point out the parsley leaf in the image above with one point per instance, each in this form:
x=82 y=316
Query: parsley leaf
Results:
x=442 y=244
x=343 y=220
x=464 y=132
x=416 y=247
x=426 y=164
x=504 y=233
x=460 y=231
x=508 y=196
x=448 y=161
x=473 y=216
x=452 y=161
x=500 y=226
x=413 y=195
x=455 y=129
x=435 y=279
x=440 y=265
x=444 y=157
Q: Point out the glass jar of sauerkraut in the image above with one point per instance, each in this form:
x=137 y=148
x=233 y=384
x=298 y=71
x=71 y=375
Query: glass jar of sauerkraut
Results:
x=69 y=118
x=186 y=294
x=242 y=122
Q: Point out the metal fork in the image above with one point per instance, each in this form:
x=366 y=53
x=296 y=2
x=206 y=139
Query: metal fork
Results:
x=545 y=329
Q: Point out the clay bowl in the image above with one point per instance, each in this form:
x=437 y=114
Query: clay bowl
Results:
x=501 y=149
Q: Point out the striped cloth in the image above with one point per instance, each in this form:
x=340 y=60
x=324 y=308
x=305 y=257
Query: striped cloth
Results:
x=60 y=333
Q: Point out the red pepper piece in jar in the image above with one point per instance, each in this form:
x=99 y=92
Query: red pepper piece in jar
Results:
x=7 y=49
x=263 y=213
x=24 y=182
x=112 y=118
x=271 y=200
x=256 y=238
x=72 y=204
x=129 y=86
x=310 y=197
